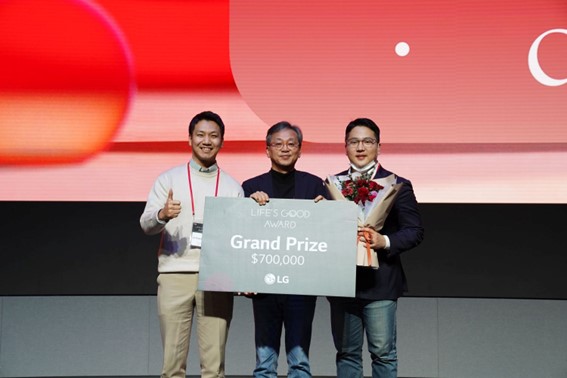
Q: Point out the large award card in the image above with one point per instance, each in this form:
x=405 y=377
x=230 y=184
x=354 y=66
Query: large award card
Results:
x=284 y=247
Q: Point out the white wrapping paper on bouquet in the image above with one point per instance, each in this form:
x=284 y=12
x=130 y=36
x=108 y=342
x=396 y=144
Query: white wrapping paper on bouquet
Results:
x=371 y=213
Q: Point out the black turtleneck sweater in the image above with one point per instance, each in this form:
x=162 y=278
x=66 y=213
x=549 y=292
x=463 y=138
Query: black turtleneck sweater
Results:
x=283 y=184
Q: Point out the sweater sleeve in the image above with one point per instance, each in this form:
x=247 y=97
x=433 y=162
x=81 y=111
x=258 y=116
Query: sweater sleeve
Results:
x=156 y=200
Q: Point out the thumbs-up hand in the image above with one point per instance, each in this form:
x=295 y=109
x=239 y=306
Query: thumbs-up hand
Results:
x=171 y=209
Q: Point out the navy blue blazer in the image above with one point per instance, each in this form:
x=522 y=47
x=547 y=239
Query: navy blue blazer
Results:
x=307 y=186
x=405 y=231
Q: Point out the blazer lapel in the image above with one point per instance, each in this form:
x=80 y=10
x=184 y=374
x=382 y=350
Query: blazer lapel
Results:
x=381 y=172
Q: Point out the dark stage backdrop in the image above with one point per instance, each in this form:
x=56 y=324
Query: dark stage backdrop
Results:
x=98 y=248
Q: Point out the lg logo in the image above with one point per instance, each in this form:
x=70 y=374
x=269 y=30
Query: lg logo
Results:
x=533 y=62
x=271 y=279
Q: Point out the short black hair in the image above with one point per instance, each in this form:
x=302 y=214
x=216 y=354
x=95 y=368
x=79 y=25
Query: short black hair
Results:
x=207 y=116
x=283 y=125
x=366 y=122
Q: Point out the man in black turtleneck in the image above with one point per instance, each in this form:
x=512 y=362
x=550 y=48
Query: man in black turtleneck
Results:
x=272 y=312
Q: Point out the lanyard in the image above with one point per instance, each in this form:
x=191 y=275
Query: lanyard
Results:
x=191 y=187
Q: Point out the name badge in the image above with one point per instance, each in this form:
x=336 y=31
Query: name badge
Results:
x=196 y=235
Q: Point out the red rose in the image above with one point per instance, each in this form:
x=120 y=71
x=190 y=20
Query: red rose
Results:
x=362 y=195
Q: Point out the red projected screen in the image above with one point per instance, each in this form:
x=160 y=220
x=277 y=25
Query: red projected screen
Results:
x=96 y=97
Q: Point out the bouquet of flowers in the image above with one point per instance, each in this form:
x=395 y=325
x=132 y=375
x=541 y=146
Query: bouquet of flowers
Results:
x=374 y=197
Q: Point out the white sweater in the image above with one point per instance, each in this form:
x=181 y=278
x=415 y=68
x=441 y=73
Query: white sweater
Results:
x=175 y=254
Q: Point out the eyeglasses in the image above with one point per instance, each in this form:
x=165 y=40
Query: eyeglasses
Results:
x=366 y=142
x=280 y=145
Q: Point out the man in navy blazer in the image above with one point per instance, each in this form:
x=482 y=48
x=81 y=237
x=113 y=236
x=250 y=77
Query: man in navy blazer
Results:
x=373 y=310
x=274 y=311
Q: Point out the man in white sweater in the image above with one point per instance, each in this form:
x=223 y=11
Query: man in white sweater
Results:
x=175 y=209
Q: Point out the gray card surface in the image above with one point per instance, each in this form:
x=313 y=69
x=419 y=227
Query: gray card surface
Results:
x=287 y=246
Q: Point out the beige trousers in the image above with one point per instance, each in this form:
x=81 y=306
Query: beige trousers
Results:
x=178 y=300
